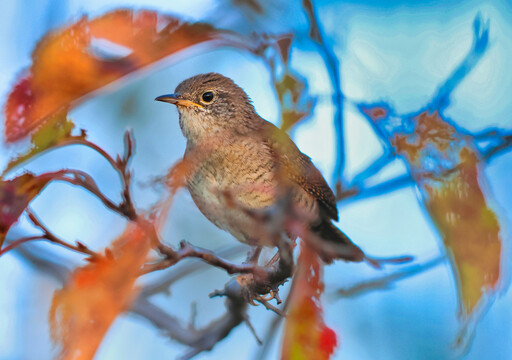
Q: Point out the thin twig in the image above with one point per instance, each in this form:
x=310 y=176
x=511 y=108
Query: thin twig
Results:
x=187 y=250
x=487 y=154
x=253 y=330
x=126 y=208
x=384 y=282
x=274 y=326
x=332 y=65
x=84 y=180
x=48 y=235
x=269 y=306
x=35 y=256
x=357 y=193
x=13 y=245
x=184 y=269
x=441 y=100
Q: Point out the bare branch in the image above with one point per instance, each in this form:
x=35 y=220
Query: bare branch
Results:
x=126 y=208
x=13 y=245
x=184 y=269
x=332 y=65
x=38 y=260
x=269 y=306
x=48 y=235
x=385 y=282
x=84 y=180
x=253 y=330
x=356 y=192
x=198 y=340
x=505 y=144
x=187 y=250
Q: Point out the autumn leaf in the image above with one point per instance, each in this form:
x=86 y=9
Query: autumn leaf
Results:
x=67 y=64
x=82 y=311
x=295 y=102
x=55 y=131
x=15 y=195
x=305 y=335
x=446 y=168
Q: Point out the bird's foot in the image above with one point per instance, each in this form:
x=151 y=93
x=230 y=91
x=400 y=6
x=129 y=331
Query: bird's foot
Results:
x=253 y=255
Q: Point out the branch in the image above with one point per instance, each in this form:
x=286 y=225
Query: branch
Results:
x=48 y=235
x=38 y=261
x=480 y=45
x=198 y=340
x=357 y=192
x=162 y=284
x=120 y=165
x=384 y=282
x=506 y=143
x=333 y=65
x=84 y=180
x=187 y=250
x=238 y=292
x=384 y=187
x=13 y=245
x=274 y=326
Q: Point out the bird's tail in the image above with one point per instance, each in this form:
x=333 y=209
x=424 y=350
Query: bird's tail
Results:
x=331 y=243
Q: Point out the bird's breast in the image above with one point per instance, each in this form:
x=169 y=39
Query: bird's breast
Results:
x=230 y=182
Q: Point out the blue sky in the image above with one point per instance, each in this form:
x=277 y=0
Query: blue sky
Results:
x=393 y=51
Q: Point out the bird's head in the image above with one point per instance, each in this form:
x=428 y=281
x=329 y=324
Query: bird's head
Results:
x=211 y=104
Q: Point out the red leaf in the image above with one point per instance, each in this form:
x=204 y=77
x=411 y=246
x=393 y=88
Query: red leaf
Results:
x=82 y=312
x=65 y=66
x=15 y=195
x=306 y=336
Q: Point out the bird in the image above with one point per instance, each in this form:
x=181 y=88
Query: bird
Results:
x=243 y=165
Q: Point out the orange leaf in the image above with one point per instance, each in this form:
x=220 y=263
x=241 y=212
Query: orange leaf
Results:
x=446 y=168
x=65 y=66
x=296 y=103
x=15 y=195
x=305 y=335
x=82 y=311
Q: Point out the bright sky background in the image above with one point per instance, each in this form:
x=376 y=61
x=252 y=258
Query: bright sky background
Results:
x=399 y=52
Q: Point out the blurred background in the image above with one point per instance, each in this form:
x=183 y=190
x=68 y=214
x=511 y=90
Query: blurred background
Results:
x=394 y=51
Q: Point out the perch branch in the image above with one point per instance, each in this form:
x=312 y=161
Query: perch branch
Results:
x=187 y=250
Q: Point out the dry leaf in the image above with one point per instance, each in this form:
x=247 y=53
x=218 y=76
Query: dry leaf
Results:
x=305 y=335
x=82 y=311
x=70 y=63
x=296 y=104
x=15 y=195
x=446 y=168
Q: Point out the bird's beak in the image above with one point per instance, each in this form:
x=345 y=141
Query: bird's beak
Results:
x=176 y=99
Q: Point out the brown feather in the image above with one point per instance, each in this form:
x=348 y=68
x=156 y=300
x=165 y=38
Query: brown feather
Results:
x=300 y=170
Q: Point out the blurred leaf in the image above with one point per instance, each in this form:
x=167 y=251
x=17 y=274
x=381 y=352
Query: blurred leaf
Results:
x=89 y=54
x=284 y=45
x=15 y=195
x=82 y=311
x=446 y=168
x=53 y=132
x=295 y=102
x=305 y=335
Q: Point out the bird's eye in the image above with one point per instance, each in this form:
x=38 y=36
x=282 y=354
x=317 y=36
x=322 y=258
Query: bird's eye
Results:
x=207 y=97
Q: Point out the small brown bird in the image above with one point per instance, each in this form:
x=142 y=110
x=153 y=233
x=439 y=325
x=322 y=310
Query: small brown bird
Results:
x=243 y=165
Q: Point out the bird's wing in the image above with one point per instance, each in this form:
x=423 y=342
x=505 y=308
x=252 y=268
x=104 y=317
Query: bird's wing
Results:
x=300 y=170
